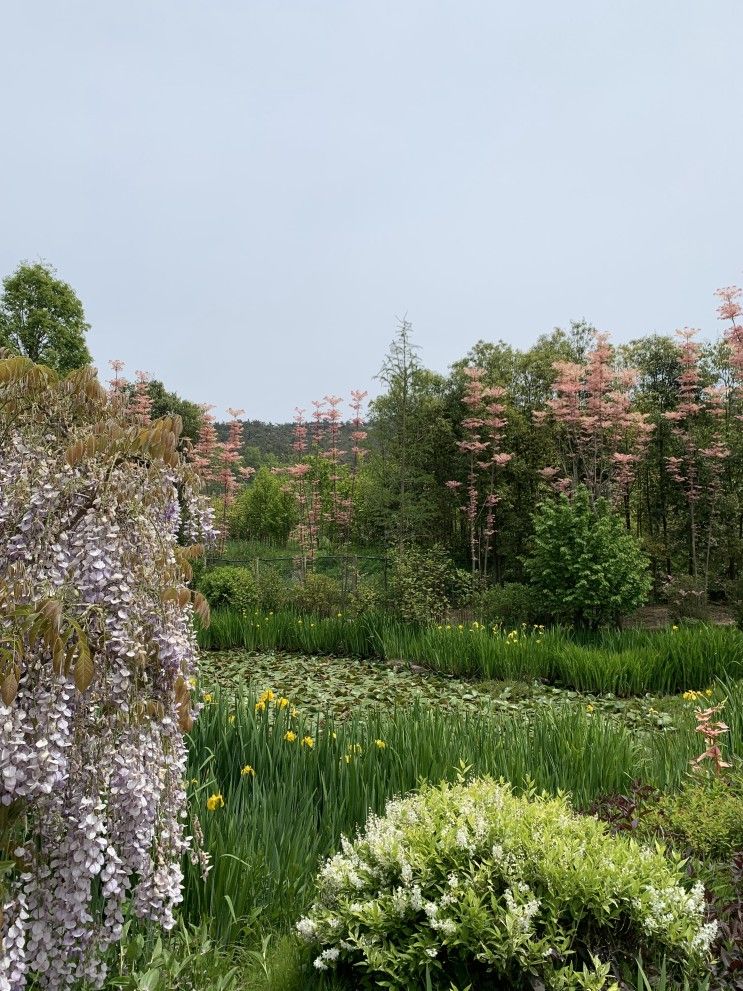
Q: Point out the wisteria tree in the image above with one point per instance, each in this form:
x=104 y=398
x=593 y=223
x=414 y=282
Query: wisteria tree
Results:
x=99 y=517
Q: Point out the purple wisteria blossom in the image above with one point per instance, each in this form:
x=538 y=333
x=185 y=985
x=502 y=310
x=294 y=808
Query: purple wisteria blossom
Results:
x=91 y=780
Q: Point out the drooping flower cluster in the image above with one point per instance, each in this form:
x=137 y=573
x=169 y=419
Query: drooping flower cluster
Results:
x=96 y=649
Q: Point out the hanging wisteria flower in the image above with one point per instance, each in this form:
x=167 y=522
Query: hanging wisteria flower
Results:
x=97 y=650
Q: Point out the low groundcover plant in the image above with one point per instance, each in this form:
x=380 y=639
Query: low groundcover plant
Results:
x=463 y=880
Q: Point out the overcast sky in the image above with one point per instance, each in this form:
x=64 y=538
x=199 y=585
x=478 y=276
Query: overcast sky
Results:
x=246 y=194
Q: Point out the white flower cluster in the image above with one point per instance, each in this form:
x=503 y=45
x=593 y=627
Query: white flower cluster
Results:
x=474 y=872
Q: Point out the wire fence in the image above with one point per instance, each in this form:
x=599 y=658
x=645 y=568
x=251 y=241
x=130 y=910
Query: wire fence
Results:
x=347 y=569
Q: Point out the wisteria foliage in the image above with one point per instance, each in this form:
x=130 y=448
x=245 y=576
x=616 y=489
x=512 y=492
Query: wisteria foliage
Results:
x=99 y=515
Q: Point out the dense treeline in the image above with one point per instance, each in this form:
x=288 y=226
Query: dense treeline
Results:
x=653 y=425
x=461 y=460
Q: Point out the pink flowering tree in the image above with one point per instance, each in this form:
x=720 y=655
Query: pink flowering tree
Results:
x=141 y=401
x=230 y=470
x=483 y=430
x=730 y=311
x=697 y=424
x=205 y=454
x=325 y=475
x=602 y=439
x=99 y=517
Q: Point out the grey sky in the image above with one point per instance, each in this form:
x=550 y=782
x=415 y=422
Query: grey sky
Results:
x=246 y=194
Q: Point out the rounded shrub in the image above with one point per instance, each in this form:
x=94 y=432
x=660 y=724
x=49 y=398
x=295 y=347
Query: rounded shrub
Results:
x=227 y=587
x=264 y=510
x=469 y=883
x=705 y=817
x=273 y=588
x=418 y=584
x=510 y=605
x=367 y=597
x=584 y=566
x=318 y=594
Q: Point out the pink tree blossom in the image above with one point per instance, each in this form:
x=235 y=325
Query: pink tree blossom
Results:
x=483 y=428
x=602 y=438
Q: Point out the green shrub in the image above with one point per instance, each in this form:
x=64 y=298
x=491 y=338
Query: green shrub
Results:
x=273 y=589
x=687 y=598
x=467 y=880
x=319 y=594
x=586 y=569
x=198 y=566
x=510 y=605
x=367 y=597
x=264 y=510
x=462 y=588
x=705 y=817
x=228 y=586
x=418 y=582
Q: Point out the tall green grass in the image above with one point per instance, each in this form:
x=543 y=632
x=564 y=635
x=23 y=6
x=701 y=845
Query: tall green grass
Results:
x=276 y=825
x=625 y=663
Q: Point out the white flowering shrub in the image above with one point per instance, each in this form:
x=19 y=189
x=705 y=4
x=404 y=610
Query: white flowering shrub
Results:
x=96 y=652
x=468 y=880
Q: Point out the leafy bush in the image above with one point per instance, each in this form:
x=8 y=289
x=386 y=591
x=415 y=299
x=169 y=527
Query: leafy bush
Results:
x=418 y=581
x=319 y=594
x=367 y=597
x=264 y=510
x=705 y=817
x=462 y=588
x=273 y=589
x=686 y=597
x=232 y=587
x=465 y=880
x=509 y=605
x=585 y=567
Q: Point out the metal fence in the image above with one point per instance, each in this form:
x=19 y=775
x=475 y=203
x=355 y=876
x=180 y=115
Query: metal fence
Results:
x=348 y=569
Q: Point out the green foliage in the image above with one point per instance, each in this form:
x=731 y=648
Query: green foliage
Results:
x=318 y=595
x=509 y=605
x=469 y=880
x=687 y=598
x=273 y=590
x=586 y=569
x=462 y=588
x=705 y=817
x=366 y=597
x=186 y=959
x=418 y=582
x=42 y=318
x=264 y=510
x=411 y=442
x=166 y=403
x=230 y=587
x=275 y=825
x=632 y=662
